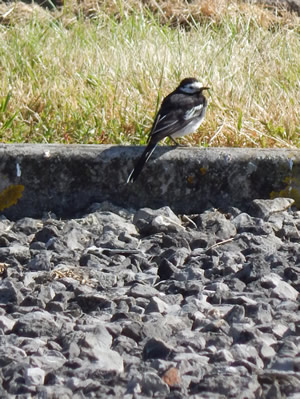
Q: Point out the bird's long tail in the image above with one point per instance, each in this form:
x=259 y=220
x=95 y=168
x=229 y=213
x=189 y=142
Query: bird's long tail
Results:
x=141 y=162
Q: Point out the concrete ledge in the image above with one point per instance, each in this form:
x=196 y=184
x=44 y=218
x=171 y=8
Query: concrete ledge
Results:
x=66 y=179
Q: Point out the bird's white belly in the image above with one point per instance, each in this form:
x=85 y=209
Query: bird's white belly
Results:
x=188 y=129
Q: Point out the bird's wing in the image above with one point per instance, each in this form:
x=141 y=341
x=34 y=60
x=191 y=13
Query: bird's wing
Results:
x=193 y=112
x=167 y=125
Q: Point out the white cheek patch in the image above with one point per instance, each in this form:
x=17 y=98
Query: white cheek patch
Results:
x=191 y=88
x=196 y=85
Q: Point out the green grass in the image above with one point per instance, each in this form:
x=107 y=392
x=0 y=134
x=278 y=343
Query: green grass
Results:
x=66 y=78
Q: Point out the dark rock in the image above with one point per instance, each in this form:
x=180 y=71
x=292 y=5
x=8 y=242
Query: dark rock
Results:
x=46 y=233
x=156 y=349
x=36 y=324
x=292 y=273
x=30 y=300
x=201 y=239
x=9 y=293
x=54 y=306
x=166 y=269
x=93 y=301
x=243 y=333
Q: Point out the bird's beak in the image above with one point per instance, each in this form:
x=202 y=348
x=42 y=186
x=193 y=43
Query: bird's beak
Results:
x=205 y=88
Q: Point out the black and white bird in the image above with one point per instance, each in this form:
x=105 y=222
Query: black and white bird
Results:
x=181 y=113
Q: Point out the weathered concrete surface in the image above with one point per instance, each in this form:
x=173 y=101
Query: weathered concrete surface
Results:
x=290 y=5
x=67 y=179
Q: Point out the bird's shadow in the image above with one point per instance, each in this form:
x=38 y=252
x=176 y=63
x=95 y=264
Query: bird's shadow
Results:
x=158 y=152
x=122 y=159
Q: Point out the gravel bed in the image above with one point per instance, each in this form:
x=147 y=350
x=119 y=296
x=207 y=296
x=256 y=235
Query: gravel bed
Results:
x=127 y=304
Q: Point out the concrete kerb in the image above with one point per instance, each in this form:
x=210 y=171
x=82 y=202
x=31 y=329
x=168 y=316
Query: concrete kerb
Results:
x=66 y=179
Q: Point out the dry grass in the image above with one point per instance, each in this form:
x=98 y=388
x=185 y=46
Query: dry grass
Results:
x=96 y=71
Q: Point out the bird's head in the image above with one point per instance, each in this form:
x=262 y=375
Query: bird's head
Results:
x=191 y=86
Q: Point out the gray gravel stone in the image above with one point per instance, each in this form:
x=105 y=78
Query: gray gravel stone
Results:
x=41 y=261
x=9 y=293
x=10 y=353
x=36 y=324
x=143 y=291
x=152 y=385
x=27 y=226
x=265 y=208
x=6 y=323
x=214 y=222
x=157 y=305
x=279 y=289
x=149 y=221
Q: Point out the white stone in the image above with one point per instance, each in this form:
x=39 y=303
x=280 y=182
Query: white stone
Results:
x=285 y=291
x=34 y=376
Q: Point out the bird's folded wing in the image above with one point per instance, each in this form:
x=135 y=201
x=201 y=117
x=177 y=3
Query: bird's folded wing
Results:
x=193 y=112
x=167 y=125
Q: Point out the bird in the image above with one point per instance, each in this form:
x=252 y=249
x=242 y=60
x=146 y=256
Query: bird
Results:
x=180 y=113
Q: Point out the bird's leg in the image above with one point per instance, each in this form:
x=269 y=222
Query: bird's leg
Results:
x=175 y=142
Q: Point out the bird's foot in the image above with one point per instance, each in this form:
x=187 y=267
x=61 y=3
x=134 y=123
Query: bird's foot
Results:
x=175 y=142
